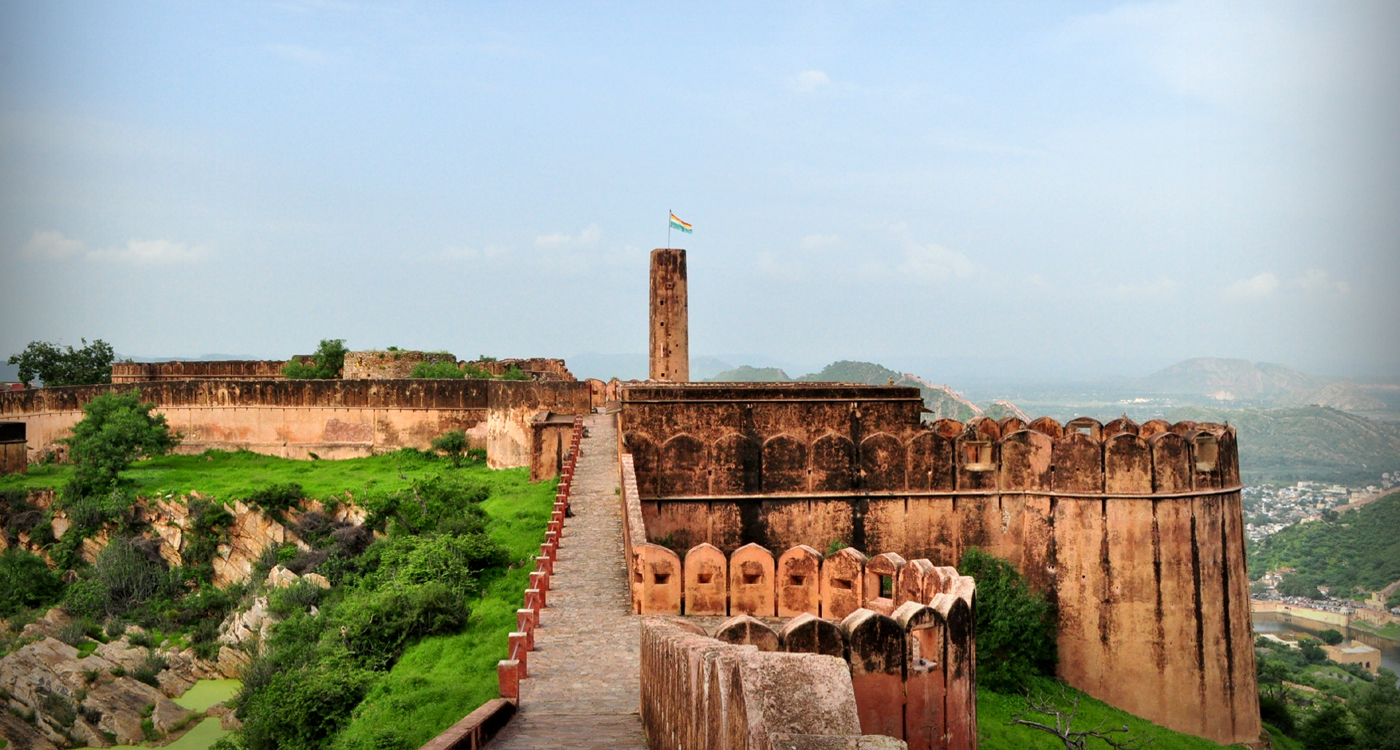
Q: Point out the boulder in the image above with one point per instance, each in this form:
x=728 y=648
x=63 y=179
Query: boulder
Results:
x=233 y=662
x=247 y=626
x=279 y=577
x=122 y=653
x=20 y=735
x=120 y=703
x=168 y=715
x=317 y=579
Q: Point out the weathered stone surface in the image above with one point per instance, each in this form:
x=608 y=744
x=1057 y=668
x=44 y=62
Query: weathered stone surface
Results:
x=743 y=630
x=120 y=703
x=20 y=735
x=316 y=579
x=246 y=626
x=233 y=662
x=279 y=577
x=168 y=715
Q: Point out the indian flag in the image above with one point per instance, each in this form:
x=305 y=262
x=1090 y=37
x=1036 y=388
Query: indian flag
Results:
x=676 y=223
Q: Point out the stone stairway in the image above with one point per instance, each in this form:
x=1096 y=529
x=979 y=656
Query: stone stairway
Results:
x=582 y=690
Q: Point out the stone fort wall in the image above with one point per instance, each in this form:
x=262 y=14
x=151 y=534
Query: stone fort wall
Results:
x=1135 y=531
x=331 y=418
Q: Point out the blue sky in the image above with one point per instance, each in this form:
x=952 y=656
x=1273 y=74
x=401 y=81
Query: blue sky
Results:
x=1031 y=189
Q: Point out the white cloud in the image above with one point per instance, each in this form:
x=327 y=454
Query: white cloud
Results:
x=1266 y=284
x=558 y=241
x=1255 y=287
x=818 y=241
x=299 y=54
x=1151 y=291
x=934 y=263
x=1315 y=281
x=151 y=252
x=811 y=80
x=51 y=245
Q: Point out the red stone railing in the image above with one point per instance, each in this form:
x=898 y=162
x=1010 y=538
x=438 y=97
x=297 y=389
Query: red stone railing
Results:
x=514 y=668
x=478 y=727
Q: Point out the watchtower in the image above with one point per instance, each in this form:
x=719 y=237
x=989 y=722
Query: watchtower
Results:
x=670 y=326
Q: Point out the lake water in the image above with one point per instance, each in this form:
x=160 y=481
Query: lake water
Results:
x=1273 y=622
x=204 y=694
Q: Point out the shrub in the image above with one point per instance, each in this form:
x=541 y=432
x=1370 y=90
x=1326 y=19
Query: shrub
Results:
x=276 y=498
x=298 y=597
x=440 y=370
x=26 y=582
x=452 y=444
x=376 y=625
x=301 y=709
x=1274 y=711
x=1015 y=625
x=1331 y=637
x=514 y=373
x=1312 y=653
x=209 y=523
x=116 y=429
x=326 y=364
x=1328 y=728
x=147 y=670
x=126 y=574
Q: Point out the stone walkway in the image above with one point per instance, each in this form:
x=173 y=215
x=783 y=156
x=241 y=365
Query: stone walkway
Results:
x=582 y=691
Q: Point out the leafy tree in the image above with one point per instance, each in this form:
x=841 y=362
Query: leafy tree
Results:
x=89 y=365
x=302 y=709
x=1331 y=637
x=1328 y=728
x=1297 y=584
x=116 y=429
x=1312 y=653
x=439 y=370
x=452 y=444
x=1378 y=713
x=1015 y=625
x=25 y=582
x=326 y=363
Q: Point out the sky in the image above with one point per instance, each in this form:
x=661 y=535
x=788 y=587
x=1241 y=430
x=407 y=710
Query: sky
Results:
x=1026 y=189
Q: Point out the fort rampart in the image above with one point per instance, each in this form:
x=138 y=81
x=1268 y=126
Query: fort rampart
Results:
x=231 y=369
x=331 y=418
x=1134 y=531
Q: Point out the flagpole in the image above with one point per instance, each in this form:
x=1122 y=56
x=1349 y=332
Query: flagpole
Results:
x=668 y=229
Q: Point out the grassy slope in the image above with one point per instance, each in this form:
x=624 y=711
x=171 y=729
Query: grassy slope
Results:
x=994 y=710
x=229 y=475
x=441 y=679
x=438 y=680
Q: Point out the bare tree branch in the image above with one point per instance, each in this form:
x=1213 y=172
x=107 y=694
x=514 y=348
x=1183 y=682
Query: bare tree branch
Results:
x=1063 y=728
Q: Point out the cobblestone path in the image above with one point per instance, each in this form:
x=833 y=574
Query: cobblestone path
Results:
x=582 y=691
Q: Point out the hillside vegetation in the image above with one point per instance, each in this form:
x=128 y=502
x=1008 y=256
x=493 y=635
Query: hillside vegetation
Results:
x=1359 y=549
x=1306 y=443
x=941 y=401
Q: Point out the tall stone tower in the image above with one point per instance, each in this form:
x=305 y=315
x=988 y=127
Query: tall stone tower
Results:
x=670 y=325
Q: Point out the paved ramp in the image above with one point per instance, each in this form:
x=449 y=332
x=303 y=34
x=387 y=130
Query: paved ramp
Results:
x=583 y=686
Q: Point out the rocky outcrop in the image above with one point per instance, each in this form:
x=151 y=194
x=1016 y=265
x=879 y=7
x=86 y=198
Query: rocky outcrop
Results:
x=78 y=699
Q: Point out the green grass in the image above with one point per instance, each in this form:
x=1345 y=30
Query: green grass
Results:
x=1391 y=630
x=441 y=679
x=226 y=476
x=994 y=710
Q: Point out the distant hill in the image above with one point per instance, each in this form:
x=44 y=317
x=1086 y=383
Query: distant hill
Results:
x=1306 y=443
x=1000 y=410
x=746 y=374
x=1229 y=379
x=1359 y=549
x=849 y=371
x=1345 y=396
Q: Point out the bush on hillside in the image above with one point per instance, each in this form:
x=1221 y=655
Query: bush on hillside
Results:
x=1015 y=625
x=128 y=574
x=26 y=582
x=116 y=429
x=326 y=364
x=301 y=709
x=276 y=498
x=1331 y=637
x=438 y=370
x=452 y=444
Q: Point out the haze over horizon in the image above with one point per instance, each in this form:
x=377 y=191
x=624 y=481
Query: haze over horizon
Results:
x=1093 y=189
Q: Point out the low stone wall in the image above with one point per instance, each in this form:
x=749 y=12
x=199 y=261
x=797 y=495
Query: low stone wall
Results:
x=228 y=369
x=331 y=418
x=389 y=365
x=698 y=692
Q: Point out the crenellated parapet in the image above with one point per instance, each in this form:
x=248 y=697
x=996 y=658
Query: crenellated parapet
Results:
x=1134 y=531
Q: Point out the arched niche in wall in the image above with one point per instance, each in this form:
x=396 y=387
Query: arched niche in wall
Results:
x=646 y=461
x=833 y=463
x=736 y=465
x=784 y=464
x=882 y=462
x=930 y=462
x=683 y=467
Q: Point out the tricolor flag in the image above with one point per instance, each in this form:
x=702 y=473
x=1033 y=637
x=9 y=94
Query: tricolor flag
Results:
x=676 y=223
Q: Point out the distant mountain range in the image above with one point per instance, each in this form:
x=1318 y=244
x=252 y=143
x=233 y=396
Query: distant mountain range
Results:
x=1240 y=382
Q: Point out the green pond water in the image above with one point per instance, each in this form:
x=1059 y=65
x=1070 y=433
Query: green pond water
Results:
x=204 y=694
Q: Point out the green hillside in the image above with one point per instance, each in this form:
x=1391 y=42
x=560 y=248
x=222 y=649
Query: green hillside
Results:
x=941 y=401
x=849 y=371
x=1307 y=443
x=1358 y=549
